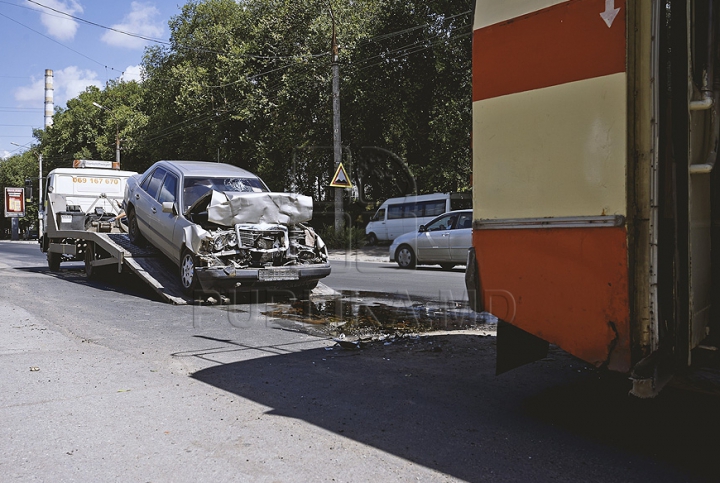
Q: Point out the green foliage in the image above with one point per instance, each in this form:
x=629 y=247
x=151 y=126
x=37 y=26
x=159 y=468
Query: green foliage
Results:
x=13 y=173
x=349 y=237
x=84 y=131
x=249 y=83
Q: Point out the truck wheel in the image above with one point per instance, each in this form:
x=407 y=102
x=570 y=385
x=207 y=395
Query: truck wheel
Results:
x=372 y=239
x=91 y=254
x=405 y=257
x=134 y=234
x=53 y=260
x=188 y=276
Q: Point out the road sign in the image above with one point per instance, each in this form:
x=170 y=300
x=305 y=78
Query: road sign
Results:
x=341 y=179
x=14 y=202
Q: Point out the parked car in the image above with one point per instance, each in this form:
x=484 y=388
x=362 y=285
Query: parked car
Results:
x=224 y=228
x=444 y=240
x=404 y=214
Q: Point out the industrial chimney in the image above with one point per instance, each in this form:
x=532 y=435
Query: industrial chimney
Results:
x=49 y=103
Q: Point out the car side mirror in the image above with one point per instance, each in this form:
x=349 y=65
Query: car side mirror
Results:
x=169 y=207
x=422 y=229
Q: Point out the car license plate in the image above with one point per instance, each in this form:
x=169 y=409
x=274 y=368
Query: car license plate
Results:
x=274 y=274
x=65 y=218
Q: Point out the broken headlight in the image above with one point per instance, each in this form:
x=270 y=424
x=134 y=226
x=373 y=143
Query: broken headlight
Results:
x=223 y=241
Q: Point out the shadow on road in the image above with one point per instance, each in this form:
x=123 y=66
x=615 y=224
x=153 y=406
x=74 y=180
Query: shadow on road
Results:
x=124 y=283
x=436 y=402
x=680 y=426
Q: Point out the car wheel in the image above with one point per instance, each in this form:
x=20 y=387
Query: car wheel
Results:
x=133 y=229
x=372 y=239
x=188 y=276
x=53 y=260
x=447 y=266
x=302 y=292
x=405 y=257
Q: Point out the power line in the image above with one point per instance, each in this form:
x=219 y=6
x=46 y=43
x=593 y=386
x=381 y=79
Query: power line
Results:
x=53 y=40
x=164 y=42
x=130 y=34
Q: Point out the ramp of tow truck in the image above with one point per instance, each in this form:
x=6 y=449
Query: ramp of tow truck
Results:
x=148 y=264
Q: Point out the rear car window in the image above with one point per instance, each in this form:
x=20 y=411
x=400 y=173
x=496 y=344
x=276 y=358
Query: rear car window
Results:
x=155 y=182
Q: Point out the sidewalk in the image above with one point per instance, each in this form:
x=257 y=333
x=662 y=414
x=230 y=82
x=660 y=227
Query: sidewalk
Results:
x=376 y=254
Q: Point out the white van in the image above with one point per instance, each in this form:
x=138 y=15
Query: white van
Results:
x=401 y=215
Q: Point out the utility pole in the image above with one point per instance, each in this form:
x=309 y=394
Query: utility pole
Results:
x=41 y=207
x=337 y=139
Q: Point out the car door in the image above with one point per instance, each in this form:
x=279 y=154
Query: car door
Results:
x=433 y=242
x=166 y=223
x=144 y=200
x=460 y=238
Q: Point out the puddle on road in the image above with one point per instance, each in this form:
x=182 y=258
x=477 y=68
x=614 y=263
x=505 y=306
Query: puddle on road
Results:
x=366 y=313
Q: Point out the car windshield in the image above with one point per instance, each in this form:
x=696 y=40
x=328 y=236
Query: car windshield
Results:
x=194 y=188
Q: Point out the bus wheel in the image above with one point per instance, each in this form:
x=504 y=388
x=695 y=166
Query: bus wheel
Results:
x=405 y=257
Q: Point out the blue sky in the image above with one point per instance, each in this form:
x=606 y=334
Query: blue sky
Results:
x=34 y=38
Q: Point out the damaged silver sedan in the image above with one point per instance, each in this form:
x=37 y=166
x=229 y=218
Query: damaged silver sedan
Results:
x=224 y=229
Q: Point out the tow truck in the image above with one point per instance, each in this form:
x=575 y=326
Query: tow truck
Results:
x=83 y=221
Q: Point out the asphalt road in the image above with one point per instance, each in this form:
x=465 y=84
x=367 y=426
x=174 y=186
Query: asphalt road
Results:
x=424 y=282
x=101 y=382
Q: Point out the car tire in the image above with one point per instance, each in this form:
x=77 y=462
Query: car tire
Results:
x=53 y=260
x=372 y=239
x=188 y=274
x=302 y=292
x=405 y=257
x=134 y=234
x=447 y=266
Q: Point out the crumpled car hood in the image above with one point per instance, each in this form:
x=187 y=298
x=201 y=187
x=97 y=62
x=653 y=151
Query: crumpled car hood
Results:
x=254 y=229
x=230 y=209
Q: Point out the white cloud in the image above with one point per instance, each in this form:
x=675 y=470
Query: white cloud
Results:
x=132 y=73
x=5 y=154
x=58 y=25
x=142 y=20
x=67 y=83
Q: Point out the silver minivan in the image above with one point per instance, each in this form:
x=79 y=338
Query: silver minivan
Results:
x=406 y=213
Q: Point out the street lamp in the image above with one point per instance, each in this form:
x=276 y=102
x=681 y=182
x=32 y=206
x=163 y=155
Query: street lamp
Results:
x=117 y=131
x=40 y=188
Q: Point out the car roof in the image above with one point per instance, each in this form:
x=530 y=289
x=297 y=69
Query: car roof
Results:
x=205 y=168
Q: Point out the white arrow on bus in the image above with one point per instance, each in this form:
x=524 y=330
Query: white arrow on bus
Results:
x=610 y=12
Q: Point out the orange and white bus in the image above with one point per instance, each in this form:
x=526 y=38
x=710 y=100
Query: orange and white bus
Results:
x=596 y=206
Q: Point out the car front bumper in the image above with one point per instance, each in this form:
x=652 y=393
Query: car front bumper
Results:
x=230 y=278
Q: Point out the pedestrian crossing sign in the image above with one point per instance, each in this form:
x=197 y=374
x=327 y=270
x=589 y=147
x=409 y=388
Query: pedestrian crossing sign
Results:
x=341 y=179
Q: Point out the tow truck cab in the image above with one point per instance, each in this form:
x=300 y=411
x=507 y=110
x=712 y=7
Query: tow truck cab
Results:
x=85 y=198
